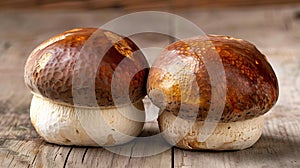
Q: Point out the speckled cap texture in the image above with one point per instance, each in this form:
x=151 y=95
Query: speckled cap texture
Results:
x=52 y=67
x=251 y=84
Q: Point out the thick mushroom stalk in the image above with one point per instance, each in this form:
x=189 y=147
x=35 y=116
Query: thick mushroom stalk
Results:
x=88 y=85
x=68 y=125
x=185 y=102
x=226 y=136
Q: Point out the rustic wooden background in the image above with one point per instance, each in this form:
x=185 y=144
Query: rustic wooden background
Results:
x=135 y=4
x=274 y=29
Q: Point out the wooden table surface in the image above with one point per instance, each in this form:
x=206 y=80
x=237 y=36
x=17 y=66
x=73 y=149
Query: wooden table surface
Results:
x=275 y=31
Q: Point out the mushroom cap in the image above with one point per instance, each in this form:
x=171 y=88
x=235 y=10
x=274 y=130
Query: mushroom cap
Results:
x=251 y=84
x=67 y=64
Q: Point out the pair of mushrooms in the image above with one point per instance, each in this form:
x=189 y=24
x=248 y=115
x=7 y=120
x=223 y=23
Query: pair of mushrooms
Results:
x=89 y=91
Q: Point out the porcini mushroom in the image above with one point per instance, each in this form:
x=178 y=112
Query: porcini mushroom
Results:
x=251 y=91
x=83 y=62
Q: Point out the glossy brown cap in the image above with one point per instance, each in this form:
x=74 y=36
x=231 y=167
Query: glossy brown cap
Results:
x=61 y=67
x=251 y=84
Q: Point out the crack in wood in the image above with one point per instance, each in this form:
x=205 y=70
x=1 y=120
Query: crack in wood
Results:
x=67 y=157
x=83 y=156
x=33 y=161
x=172 y=157
x=131 y=151
x=13 y=158
x=56 y=153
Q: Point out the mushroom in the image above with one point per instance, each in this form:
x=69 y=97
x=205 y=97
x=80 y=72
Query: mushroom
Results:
x=180 y=85
x=87 y=85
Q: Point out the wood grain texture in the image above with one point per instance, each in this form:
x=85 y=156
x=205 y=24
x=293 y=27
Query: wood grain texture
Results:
x=275 y=31
x=20 y=146
x=278 y=147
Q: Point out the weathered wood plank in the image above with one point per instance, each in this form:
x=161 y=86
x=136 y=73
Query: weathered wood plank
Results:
x=278 y=147
x=20 y=146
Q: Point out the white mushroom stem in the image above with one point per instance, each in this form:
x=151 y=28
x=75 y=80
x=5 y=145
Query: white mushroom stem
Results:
x=67 y=125
x=226 y=136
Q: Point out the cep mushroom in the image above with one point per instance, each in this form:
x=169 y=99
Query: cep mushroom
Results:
x=251 y=91
x=69 y=65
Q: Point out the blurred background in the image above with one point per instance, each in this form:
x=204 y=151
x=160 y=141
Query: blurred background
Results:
x=136 y=4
